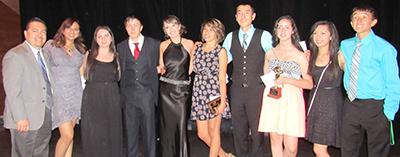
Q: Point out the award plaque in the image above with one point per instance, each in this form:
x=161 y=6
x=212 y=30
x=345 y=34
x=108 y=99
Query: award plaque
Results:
x=275 y=91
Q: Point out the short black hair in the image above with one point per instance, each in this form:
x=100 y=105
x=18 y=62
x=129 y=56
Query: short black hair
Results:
x=364 y=7
x=34 y=19
x=247 y=3
x=132 y=17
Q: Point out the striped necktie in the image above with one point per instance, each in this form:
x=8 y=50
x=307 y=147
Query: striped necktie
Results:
x=355 y=62
x=40 y=61
x=42 y=67
x=244 y=43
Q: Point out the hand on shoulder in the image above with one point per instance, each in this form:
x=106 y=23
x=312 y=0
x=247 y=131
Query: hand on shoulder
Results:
x=302 y=57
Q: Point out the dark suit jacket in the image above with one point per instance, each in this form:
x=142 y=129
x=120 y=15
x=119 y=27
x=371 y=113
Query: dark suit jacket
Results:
x=24 y=86
x=147 y=77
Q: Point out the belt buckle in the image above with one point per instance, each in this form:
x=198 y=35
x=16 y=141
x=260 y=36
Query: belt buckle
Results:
x=245 y=85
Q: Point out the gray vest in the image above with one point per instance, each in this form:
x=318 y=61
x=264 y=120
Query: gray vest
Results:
x=247 y=66
x=135 y=72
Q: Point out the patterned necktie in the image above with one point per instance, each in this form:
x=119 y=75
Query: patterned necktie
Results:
x=355 y=61
x=244 y=43
x=136 y=51
x=42 y=67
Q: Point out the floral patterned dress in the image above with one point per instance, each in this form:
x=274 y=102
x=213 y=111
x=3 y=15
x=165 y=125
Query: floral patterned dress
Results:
x=206 y=83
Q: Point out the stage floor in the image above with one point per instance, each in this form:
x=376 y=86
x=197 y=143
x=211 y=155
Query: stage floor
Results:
x=197 y=148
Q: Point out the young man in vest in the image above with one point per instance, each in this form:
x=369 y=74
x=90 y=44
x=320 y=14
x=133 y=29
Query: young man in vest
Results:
x=246 y=48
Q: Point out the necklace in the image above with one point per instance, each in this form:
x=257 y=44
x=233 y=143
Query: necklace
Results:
x=69 y=49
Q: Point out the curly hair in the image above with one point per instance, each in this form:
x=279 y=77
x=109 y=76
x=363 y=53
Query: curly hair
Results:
x=217 y=26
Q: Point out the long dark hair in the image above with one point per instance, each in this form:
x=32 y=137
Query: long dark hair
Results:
x=59 y=39
x=333 y=69
x=295 y=35
x=94 y=52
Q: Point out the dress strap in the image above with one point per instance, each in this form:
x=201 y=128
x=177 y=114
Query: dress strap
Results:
x=316 y=88
x=180 y=41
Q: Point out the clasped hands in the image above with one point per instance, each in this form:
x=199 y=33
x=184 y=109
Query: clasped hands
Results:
x=160 y=69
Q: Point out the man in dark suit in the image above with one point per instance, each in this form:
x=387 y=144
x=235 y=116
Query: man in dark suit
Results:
x=28 y=94
x=139 y=87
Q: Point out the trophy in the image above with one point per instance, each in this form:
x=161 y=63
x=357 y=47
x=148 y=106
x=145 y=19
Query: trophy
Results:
x=275 y=91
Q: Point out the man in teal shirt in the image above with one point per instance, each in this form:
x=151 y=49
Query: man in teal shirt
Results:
x=372 y=83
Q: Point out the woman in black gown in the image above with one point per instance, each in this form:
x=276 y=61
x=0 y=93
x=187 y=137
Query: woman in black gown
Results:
x=175 y=67
x=101 y=127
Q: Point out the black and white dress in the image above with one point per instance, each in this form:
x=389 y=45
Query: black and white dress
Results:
x=206 y=83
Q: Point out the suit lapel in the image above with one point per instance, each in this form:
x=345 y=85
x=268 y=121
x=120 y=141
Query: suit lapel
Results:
x=31 y=58
x=47 y=64
x=35 y=65
x=143 y=54
x=125 y=50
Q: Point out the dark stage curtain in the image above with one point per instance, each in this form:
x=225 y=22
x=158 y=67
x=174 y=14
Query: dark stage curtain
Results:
x=92 y=13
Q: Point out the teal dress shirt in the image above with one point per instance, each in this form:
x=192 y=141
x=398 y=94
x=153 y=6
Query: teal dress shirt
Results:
x=378 y=73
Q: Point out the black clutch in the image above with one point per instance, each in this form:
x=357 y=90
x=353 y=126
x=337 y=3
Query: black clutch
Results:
x=213 y=104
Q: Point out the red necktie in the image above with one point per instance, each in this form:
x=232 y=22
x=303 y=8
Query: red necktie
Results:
x=136 y=51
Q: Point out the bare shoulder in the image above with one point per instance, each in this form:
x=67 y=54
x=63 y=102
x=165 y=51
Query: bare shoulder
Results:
x=270 y=53
x=300 y=57
x=223 y=49
x=187 y=44
x=164 y=44
x=222 y=52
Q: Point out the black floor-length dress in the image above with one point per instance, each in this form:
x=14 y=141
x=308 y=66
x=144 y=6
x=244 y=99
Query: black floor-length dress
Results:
x=101 y=126
x=173 y=105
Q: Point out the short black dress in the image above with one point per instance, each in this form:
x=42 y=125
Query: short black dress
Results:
x=324 y=118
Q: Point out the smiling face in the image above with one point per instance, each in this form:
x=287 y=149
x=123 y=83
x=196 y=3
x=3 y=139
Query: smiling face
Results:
x=133 y=27
x=322 y=36
x=362 y=22
x=103 y=38
x=284 y=30
x=35 y=34
x=245 y=15
x=172 y=29
x=72 y=32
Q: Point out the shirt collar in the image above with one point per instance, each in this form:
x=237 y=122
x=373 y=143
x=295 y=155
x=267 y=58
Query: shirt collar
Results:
x=33 y=49
x=141 y=40
x=366 y=40
x=250 y=31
